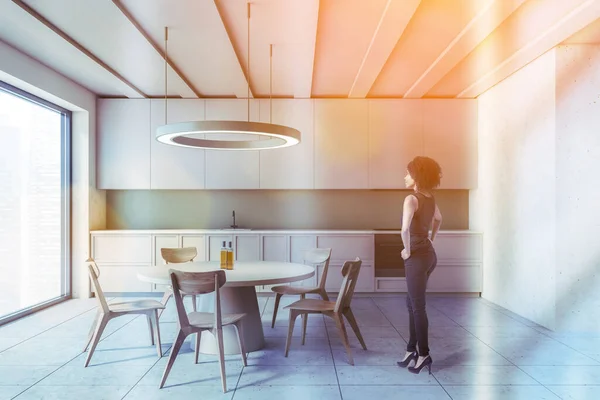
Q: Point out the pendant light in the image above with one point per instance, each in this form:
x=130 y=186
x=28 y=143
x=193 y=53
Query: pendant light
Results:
x=272 y=136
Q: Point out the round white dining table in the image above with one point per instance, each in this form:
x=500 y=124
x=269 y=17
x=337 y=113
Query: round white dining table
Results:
x=238 y=295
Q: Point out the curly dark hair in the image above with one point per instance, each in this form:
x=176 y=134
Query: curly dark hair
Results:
x=425 y=171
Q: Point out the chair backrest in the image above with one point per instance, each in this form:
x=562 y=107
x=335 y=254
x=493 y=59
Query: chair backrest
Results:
x=317 y=257
x=350 y=272
x=196 y=283
x=179 y=254
x=94 y=272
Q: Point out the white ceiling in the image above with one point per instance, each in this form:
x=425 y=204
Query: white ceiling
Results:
x=321 y=48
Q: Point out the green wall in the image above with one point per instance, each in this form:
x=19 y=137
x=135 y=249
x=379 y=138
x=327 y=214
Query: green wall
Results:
x=273 y=209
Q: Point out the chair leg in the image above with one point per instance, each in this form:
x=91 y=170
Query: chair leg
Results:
x=97 y=334
x=352 y=321
x=149 y=319
x=92 y=330
x=277 y=298
x=197 y=349
x=323 y=294
x=194 y=305
x=166 y=296
x=238 y=328
x=219 y=336
x=344 y=336
x=174 y=351
x=158 y=343
x=304 y=322
x=293 y=316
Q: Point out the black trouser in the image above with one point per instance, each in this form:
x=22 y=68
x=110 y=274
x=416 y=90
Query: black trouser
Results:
x=418 y=268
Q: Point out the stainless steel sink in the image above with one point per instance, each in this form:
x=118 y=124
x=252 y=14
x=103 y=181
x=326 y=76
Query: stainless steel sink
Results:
x=235 y=229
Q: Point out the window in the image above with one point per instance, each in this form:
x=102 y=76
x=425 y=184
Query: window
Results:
x=35 y=175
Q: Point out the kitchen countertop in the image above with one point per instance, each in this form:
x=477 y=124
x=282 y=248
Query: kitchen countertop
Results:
x=266 y=231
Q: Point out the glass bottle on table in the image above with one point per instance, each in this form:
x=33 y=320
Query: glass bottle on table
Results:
x=224 y=251
x=230 y=256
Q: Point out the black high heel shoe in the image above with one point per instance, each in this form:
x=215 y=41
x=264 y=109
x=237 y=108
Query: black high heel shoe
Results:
x=426 y=363
x=408 y=357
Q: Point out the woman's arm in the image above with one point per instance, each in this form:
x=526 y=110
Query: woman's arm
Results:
x=437 y=222
x=408 y=211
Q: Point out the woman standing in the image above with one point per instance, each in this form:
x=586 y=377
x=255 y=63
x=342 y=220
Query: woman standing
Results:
x=419 y=214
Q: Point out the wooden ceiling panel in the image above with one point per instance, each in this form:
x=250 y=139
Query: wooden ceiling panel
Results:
x=290 y=27
x=393 y=21
x=321 y=48
x=482 y=25
x=433 y=27
x=533 y=29
x=344 y=33
x=102 y=29
x=198 y=43
x=22 y=31
x=588 y=35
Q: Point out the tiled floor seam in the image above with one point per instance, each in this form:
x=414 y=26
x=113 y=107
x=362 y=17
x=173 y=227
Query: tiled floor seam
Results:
x=46 y=330
x=146 y=373
x=30 y=386
x=337 y=378
x=513 y=364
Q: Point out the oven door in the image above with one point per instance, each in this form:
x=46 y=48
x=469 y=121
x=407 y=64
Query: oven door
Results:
x=388 y=258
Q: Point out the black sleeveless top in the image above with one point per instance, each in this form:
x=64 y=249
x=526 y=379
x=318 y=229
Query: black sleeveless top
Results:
x=421 y=224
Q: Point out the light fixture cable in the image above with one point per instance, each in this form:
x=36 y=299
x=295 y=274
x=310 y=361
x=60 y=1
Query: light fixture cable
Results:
x=166 y=64
x=248 y=62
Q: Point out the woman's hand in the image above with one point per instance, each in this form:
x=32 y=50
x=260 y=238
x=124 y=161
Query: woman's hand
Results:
x=405 y=254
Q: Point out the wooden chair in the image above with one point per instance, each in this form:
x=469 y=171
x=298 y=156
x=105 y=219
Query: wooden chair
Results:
x=176 y=256
x=197 y=322
x=106 y=312
x=314 y=257
x=331 y=309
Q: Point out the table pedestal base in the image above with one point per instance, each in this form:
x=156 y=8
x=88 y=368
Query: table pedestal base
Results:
x=234 y=300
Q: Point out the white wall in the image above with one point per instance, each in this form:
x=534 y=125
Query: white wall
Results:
x=578 y=177
x=514 y=204
x=88 y=204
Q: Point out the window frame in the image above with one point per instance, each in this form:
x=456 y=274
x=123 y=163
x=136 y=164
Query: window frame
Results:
x=66 y=179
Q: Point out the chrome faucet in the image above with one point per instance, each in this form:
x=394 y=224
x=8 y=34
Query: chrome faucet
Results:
x=234 y=226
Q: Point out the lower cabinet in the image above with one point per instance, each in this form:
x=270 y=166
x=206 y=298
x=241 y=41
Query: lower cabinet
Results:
x=122 y=254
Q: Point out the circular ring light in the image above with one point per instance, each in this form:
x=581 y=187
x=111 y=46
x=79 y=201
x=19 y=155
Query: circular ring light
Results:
x=278 y=135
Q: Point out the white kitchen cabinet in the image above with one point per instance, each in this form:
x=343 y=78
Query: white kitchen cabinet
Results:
x=290 y=167
x=175 y=167
x=365 y=282
x=274 y=248
x=341 y=129
x=229 y=169
x=197 y=241
x=298 y=246
x=246 y=247
x=123 y=144
x=122 y=254
x=132 y=249
x=215 y=244
x=163 y=241
x=344 y=248
x=395 y=138
x=450 y=138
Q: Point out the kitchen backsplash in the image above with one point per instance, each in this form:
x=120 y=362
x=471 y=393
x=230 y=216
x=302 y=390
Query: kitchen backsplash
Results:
x=272 y=209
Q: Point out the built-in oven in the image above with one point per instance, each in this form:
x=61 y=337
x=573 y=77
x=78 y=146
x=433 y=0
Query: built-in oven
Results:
x=388 y=258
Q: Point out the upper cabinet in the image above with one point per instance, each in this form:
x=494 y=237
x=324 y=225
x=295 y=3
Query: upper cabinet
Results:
x=450 y=138
x=395 y=138
x=175 y=167
x=123 y=144
x=232 y=169
x=289 y=167
x=341 y=144
x=345 y=144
